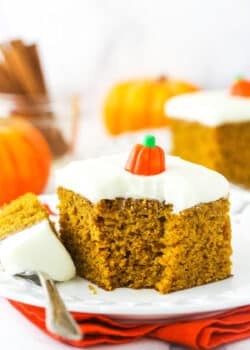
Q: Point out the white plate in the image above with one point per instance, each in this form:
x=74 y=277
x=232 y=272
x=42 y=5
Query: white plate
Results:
x=148 y=304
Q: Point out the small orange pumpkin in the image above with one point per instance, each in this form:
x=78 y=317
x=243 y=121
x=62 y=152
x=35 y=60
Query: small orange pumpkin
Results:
x=135 y=105
x=25 y=159
x=146 y=159
x=241 y=87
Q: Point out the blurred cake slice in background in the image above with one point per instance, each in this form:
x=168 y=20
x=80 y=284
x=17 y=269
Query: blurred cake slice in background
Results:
x=212 y=128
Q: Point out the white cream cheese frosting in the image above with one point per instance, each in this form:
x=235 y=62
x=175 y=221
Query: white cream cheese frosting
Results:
x=211 y=108
x=37 y=249
x=183 y=184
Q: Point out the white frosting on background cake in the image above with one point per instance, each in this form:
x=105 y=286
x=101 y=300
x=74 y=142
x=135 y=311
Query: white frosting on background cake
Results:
x=183 y=184
x=36 y=249
x=211 y=108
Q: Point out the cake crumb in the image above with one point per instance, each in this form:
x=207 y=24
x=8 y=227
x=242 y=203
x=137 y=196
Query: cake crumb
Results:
x=92 y=289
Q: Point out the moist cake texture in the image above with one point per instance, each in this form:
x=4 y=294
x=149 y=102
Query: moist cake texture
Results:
x=20 y=214
x=142 y=242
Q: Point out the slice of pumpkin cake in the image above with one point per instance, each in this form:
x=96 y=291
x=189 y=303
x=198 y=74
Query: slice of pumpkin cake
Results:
x=145 y=221
x=28 y=241
x=212 y=128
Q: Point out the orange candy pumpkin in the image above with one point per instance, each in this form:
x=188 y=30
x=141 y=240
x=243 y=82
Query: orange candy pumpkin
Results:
x=241 y=87
x=25 y=159
x=135 y=105
x=146 y=159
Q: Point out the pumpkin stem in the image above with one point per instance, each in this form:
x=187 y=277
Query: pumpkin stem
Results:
x=162 y=78
x=149 y=141
x=239 y=77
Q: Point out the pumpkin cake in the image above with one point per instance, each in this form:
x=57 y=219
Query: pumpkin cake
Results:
x=147 y=221
x=212 y=128
x=28 y=241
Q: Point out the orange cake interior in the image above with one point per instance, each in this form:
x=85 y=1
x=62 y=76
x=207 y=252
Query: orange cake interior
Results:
x=223 y=148
x=141 y=243
x=21 y=213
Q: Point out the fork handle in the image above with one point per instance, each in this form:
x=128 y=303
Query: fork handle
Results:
x=58 y=319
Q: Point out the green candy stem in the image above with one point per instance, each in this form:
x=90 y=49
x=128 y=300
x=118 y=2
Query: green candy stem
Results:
x=149 y=141
x=239 y=77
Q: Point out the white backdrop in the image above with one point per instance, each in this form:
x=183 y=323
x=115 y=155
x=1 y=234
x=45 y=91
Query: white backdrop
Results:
x=88 y=44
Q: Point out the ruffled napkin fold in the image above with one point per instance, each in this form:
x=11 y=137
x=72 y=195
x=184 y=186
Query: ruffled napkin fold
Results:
x=205 y=333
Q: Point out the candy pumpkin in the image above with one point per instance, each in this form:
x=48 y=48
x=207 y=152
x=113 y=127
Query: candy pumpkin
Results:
x=241 y=87
x=146 y=159
x=25 y=159
x=136 y=105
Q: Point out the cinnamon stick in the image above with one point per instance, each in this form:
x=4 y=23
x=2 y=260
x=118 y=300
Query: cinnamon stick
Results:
x=6 y=84
x=37 y=68
x=7 y=65
x=22 y=67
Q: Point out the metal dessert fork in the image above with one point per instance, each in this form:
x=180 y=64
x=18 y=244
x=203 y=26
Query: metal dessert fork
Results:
x=58 y=319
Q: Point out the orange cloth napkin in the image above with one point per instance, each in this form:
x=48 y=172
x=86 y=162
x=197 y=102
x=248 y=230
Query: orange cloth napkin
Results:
x=206 y=333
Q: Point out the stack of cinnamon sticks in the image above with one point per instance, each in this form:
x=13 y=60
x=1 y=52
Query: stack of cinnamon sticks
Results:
x=20 y=69
x=21 y=74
